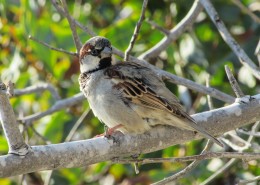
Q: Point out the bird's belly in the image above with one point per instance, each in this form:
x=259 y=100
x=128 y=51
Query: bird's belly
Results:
x=113 y=111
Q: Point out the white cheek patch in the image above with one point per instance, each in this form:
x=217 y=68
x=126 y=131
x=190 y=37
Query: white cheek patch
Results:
x=89 y=63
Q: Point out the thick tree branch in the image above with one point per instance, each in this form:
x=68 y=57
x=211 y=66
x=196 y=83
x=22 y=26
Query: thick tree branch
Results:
x=14 y=138
x=82 y=153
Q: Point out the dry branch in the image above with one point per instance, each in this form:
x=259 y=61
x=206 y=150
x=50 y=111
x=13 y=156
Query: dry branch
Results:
x=38 y=88
x=175 y=33
x=136 y=31
x=240 y=53
x=51 y=47
x=61 y=104
x=72 y=24
x=14 y=138
x=82 y=153
x=231 y=162
x=181 y=81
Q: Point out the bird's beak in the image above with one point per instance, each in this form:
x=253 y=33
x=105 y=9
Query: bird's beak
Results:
x=107 y=50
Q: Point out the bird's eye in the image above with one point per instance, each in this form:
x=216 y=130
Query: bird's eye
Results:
x=95 y=52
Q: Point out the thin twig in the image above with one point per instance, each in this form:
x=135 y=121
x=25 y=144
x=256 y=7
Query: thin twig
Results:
x=250 y=133
x=51 y=47
x=136 y=31
x=181 y=81
x=156 y=26
x=186 y=169
x=61 y=11
x=246 y=10
x=61 y=104
x=219 y=171
x=175 y=32
x=76 y=125
x=231 y=162
x=194 y=86
x=236 y=142
x=72 y=26
x=240 y=53
x=202 y=156
x=233 y=83
x=38 y=88
x=46 y=141
x=244 y=182
x=257 y=52
x=210 y=103
x=13 y=135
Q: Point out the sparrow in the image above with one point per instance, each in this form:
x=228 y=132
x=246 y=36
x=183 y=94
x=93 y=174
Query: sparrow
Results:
x=128 y=96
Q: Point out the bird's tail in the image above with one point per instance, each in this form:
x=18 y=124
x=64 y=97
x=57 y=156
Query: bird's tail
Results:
x=204 y=133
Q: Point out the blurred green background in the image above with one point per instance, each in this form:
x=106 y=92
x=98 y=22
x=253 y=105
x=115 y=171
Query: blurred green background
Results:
x=197 y=53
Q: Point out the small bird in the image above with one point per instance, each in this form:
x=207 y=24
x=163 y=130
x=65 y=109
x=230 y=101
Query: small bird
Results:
x=127 y=96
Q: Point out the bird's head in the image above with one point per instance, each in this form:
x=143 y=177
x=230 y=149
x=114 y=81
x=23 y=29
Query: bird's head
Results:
x=95 y=54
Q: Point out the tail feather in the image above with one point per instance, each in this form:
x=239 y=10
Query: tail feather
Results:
x=204 y=133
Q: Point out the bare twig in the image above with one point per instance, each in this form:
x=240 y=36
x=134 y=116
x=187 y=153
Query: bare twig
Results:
x=51 y=47
x=219 y=171
x=136 y=31
x=236 y=142
x=175 y=33
x=210 y=103
x=46 y=141
x=38 y=88
x=240 y=53
x=250 y=133
x=246 y=10
x=244 y=182
x=181 y=81
x=233 y=83
x=257 y=52
x=156 y=26
x=203 y=156
x=194 y=86
x=231 y=162
x=72 y=26
x=76 y=125
x=61 y=104
x=14 y=137
x=61 y=11
x=186 y=169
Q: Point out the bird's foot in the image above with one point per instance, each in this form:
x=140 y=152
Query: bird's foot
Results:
x=244 y=100
x=109 y=131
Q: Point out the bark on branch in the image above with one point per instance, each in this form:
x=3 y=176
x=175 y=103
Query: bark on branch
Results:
x=86 y=152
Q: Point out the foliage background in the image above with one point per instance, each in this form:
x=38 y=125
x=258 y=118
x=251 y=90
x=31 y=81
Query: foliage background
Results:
x=197 y=53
